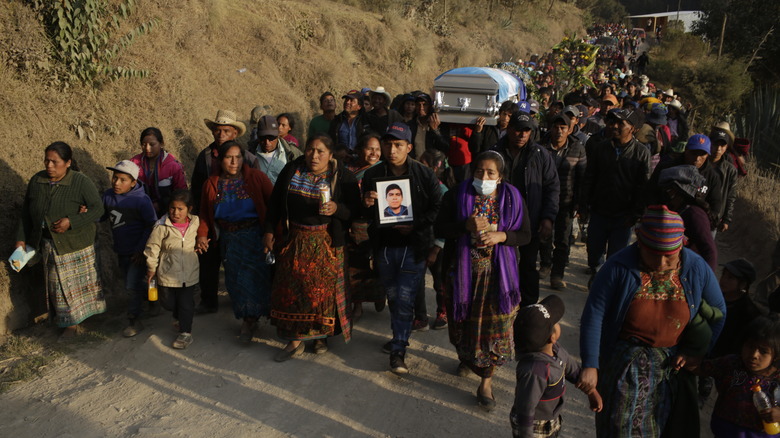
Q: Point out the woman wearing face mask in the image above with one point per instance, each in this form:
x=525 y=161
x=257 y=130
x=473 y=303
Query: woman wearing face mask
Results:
x=484 y=220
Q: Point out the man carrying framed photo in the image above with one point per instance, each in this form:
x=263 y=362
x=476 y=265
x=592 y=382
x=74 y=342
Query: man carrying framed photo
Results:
x=401 y=247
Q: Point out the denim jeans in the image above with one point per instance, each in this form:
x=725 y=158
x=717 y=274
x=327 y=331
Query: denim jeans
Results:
x=610 y=234
x=400 y=276
x=135 y=283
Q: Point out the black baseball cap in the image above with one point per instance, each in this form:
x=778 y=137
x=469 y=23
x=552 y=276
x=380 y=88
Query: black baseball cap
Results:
x=521 y=121
x=742 y=269
x=535 y=323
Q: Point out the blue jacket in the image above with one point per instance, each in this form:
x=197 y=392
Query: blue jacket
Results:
x=614 y=288
x=132 y=216
x=533 y=172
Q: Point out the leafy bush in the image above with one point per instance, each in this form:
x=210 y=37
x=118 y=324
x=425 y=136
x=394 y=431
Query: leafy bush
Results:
x=713 y=87
x=760 y=122
x=84 y=35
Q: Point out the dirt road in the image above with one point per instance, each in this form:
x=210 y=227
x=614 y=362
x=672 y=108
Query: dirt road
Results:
x=141 y=387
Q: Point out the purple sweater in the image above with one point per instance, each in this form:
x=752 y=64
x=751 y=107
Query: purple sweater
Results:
x=697 y=230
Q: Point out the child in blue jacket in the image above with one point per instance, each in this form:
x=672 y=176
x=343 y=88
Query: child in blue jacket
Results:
x=132 y=217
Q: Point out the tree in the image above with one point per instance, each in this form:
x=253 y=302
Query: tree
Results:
x=747 y=25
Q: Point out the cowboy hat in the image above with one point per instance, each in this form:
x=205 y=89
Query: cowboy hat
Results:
x=226 y=118
x=381 y=90
x=725 y=127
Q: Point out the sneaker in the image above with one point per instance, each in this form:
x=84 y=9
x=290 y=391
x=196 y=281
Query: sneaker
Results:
x=182 y=341
x=557 y=282
x=441 y=321
x=388 y=347
x=397 y=364
x=320 y=346
x=420 y=325
x=544 y=271
x=133 y=328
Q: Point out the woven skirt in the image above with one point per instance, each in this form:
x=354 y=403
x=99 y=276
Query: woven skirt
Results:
x=247 y=277
x=308 y=300
x=72 y=284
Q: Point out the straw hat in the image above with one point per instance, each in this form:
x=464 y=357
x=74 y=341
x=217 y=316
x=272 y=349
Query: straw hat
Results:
x=381 y=90
x=226 y=118
x=725 y=127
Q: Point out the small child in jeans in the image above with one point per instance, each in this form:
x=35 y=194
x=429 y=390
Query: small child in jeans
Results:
x=734 y=414
x=132 y=216
x=171 y=256
x=542 y=370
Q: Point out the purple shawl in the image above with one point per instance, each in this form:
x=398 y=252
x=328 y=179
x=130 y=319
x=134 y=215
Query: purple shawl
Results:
x=510 y=211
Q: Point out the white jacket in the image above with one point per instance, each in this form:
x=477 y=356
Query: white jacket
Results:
x=172 y=256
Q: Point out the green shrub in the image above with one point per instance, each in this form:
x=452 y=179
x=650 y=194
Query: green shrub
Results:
x=713 y=87
x=85 y=36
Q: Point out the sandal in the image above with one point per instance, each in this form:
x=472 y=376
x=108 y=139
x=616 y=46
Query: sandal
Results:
x=285 y=355
x=488 y=404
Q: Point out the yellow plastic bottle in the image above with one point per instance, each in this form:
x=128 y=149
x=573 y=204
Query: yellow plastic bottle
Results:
x=762 y=403
x=152 y=290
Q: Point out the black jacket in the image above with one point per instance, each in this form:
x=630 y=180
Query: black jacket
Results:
x=728 y=179
x=379 y=124
x=571 y=164
x=344 y=192
x=533 y=172
x=485 y=140
x=426 y=201
x=616 y=177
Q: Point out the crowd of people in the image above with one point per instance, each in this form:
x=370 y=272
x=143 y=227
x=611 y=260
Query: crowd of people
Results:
x=382 y=191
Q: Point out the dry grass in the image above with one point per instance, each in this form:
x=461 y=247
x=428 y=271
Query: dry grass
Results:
x=755 y=228
x=292 y=51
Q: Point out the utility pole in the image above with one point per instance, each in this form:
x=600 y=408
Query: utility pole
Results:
x=722 y=34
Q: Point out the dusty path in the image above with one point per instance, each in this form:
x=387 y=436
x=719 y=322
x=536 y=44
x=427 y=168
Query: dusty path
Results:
x=141 y=387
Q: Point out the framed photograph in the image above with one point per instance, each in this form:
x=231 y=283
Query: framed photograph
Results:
x=394 y=203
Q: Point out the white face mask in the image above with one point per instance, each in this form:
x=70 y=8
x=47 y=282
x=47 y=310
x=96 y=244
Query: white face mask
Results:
x=485 y=186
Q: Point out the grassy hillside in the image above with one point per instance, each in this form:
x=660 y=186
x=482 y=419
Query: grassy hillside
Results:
x=211 y=54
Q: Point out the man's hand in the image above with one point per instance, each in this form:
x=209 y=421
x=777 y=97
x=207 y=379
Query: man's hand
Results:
x=480 y=124
x=434 y=122
x=150 y=275
x=369 y=199
x=545 y=229
x=723 y=227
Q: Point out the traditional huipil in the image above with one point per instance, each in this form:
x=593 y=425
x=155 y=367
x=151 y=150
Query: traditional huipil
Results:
x=483 y=292
x=309 y=299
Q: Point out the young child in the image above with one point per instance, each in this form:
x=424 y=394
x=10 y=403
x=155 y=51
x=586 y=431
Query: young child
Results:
x=171 y=256
x=541 y=368
x=734 y=414
x=132 y=216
